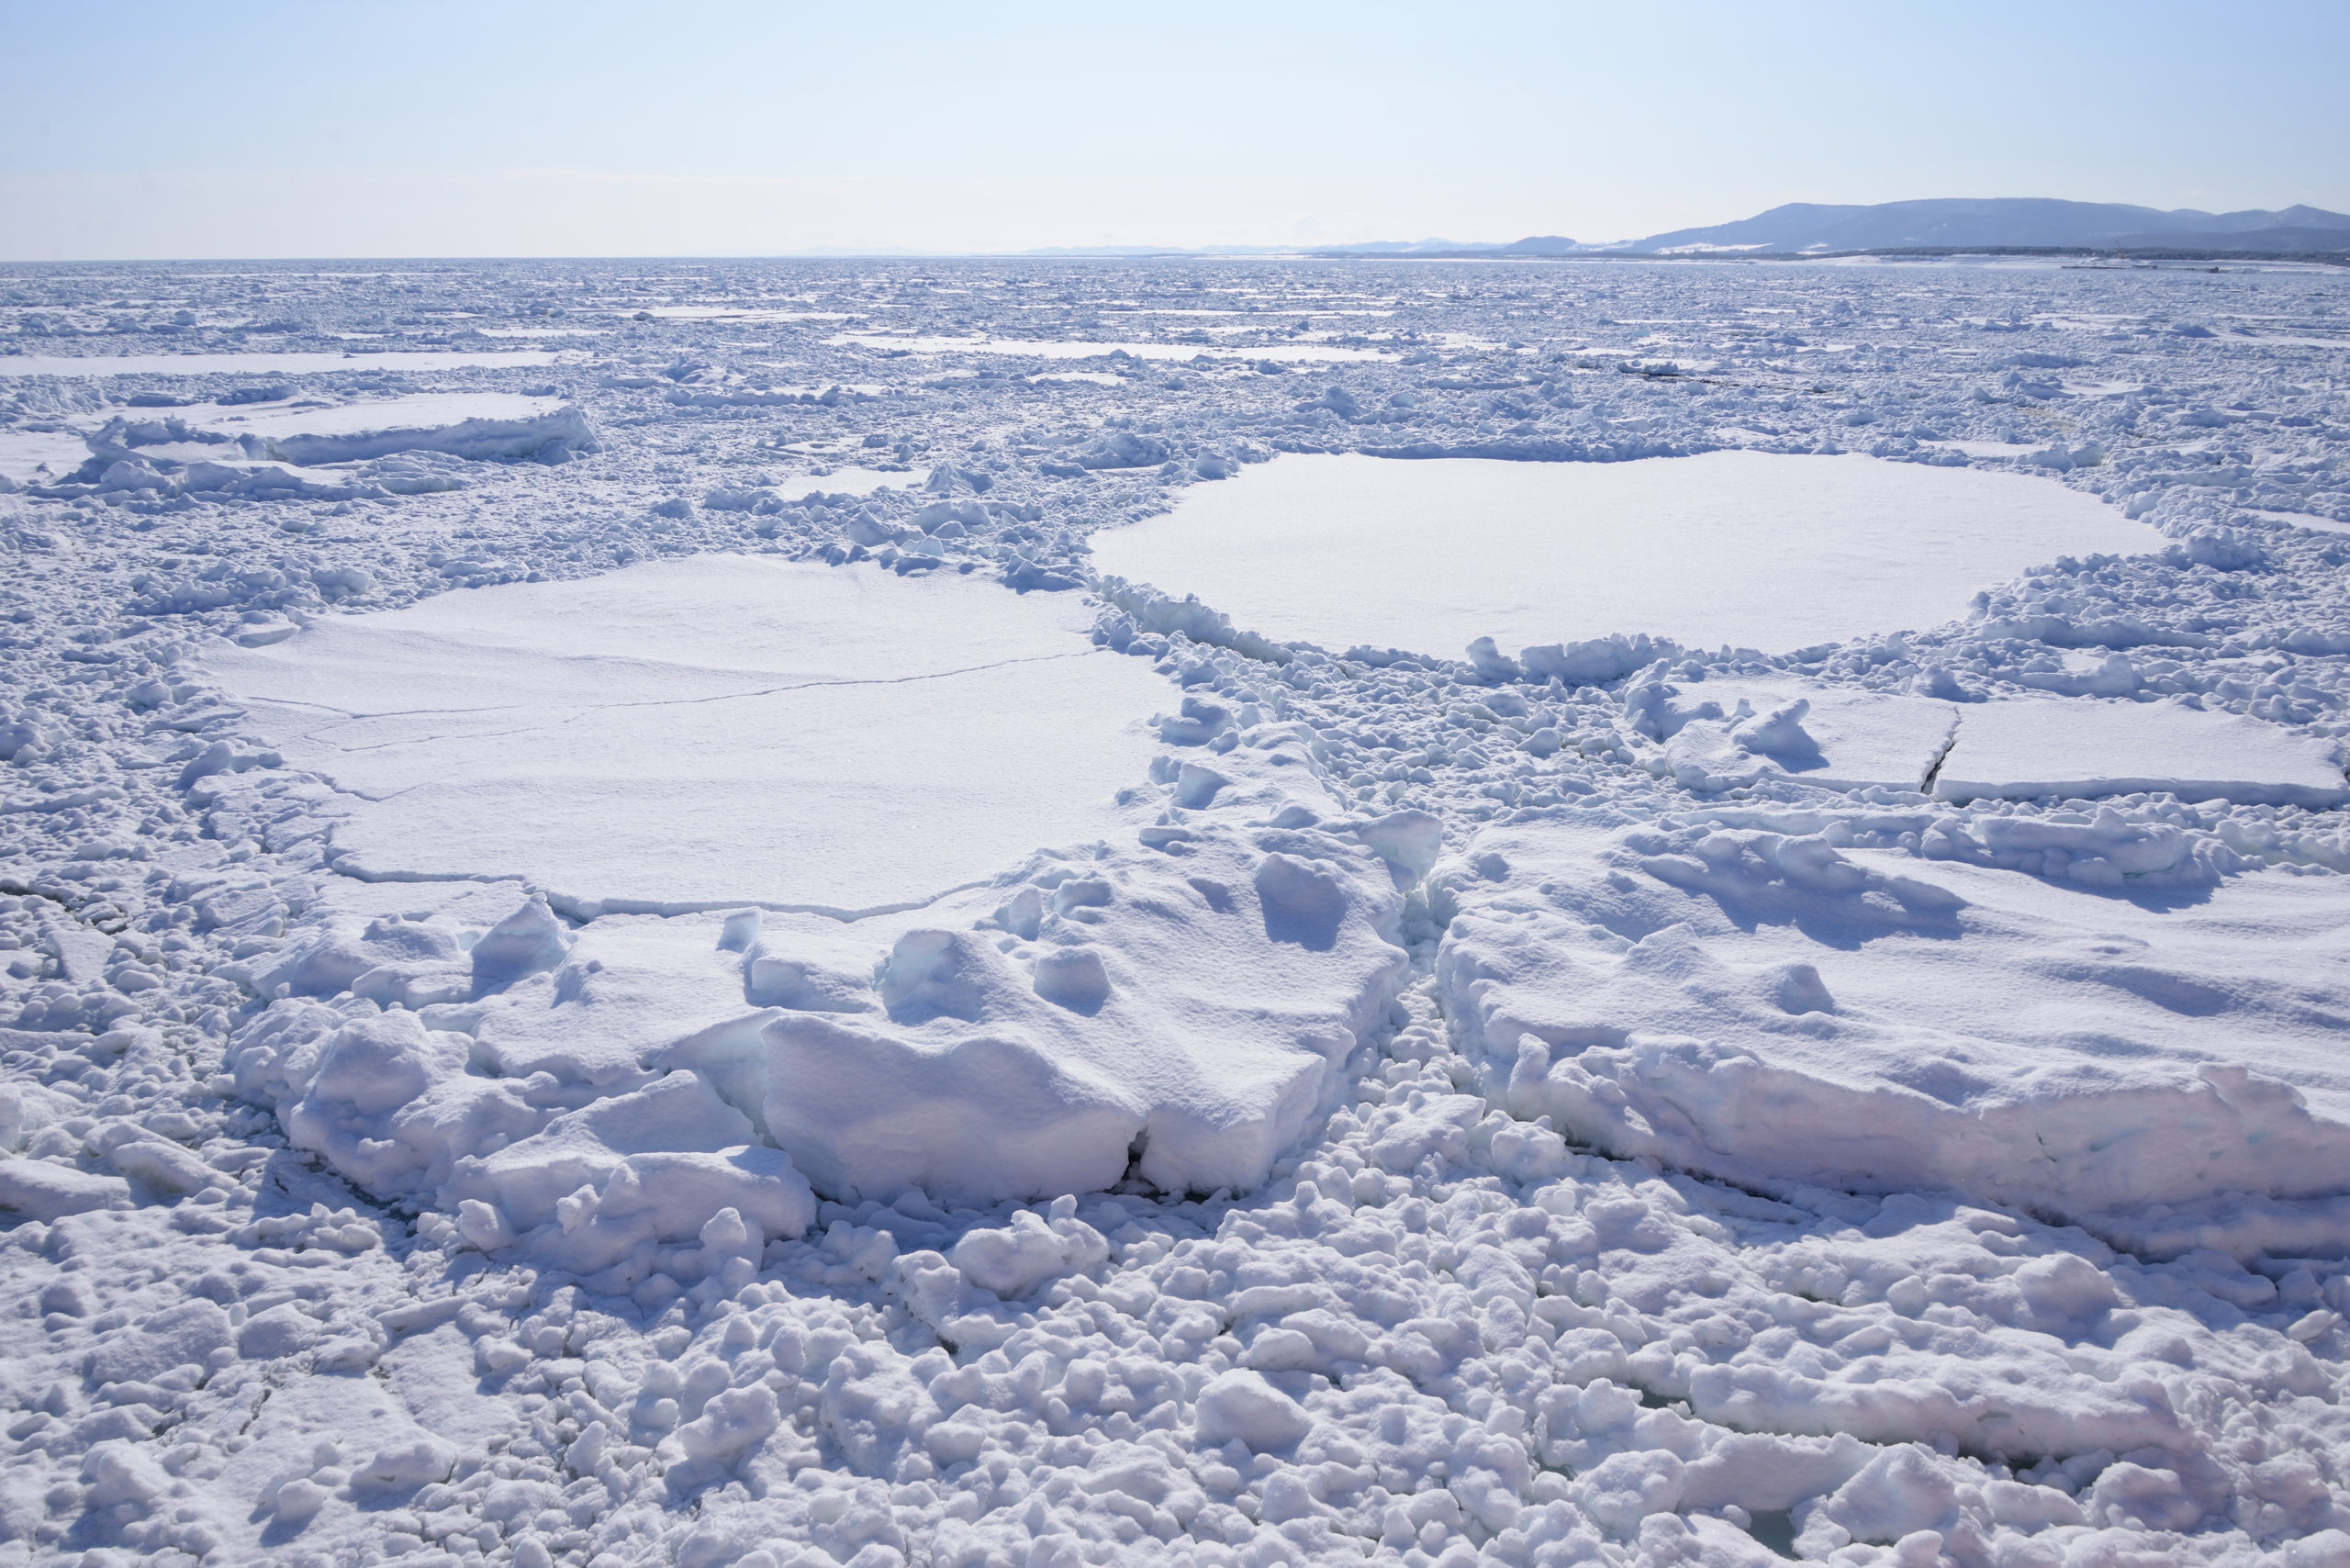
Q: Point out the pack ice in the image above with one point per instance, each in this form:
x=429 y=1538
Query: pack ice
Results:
x=1722 y=943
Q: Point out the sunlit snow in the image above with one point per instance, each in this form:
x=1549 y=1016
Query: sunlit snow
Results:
x=770 y=941
x=1743 y=549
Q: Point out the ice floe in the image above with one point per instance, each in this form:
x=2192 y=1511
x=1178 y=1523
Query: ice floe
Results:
x=712 y=732
x=1743 y=549
x=266 y=362
x=1776 y=1006
x=2025 y=749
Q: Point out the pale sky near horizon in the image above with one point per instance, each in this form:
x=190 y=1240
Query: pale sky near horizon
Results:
x=133 y=128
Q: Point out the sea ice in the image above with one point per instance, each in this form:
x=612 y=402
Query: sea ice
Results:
x=1768 y=1006
x=2025 y=748
x=494 y=425
x=710 y=733
x=1887 y=1178
x=1745 y=549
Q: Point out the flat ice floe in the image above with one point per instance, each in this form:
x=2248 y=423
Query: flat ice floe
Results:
x=709 y=733
x=265 y=364
x=494 y=425
x=1739 y=548
x=1177 y=989
x=1720 y=735
x=1768 y=1006
x=2025 y=749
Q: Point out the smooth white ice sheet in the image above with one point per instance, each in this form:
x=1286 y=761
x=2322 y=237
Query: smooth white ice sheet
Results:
x=2080 y=746
x=25 y=454
x=712 y=732
x=1750 y=549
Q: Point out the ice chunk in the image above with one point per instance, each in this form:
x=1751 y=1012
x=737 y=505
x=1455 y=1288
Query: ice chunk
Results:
x=2029 y=747
x=1763 y=1005
x=1219 y=1025
x=1743 y=548
x=1242 y=1404
x=494 y=425
x=1017 y=1259
x=36 y=1189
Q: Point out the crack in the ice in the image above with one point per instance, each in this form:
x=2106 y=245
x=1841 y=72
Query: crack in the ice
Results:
x=1934 y=768
x=593 y=709
x=587 y=911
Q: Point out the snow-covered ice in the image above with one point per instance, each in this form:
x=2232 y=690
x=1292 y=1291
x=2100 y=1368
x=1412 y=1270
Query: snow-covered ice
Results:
x=480 y=425
x=2027 y=748
x=1777 y=1004
x=743 y=987
x=716 y=731
x=1736 y=549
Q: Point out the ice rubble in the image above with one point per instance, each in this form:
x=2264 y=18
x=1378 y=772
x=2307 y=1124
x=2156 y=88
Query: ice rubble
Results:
x=1778 y=1006
x=1738 y=549
x=1180 y=1006
x=712 y=732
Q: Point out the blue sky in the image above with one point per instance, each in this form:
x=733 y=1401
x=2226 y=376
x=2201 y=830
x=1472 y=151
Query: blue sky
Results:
x=256 y=127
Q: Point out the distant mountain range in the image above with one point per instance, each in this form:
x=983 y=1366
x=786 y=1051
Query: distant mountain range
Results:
x=2000 y=223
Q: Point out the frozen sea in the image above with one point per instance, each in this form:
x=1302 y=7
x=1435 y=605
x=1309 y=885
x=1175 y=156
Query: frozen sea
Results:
x=1216 y=912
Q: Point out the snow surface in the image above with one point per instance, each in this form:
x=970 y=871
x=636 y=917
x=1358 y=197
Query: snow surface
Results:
x=25 y=455
x=1736 y=549
x=1564 y=1098
x=2026 y=749
x=717 y=731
